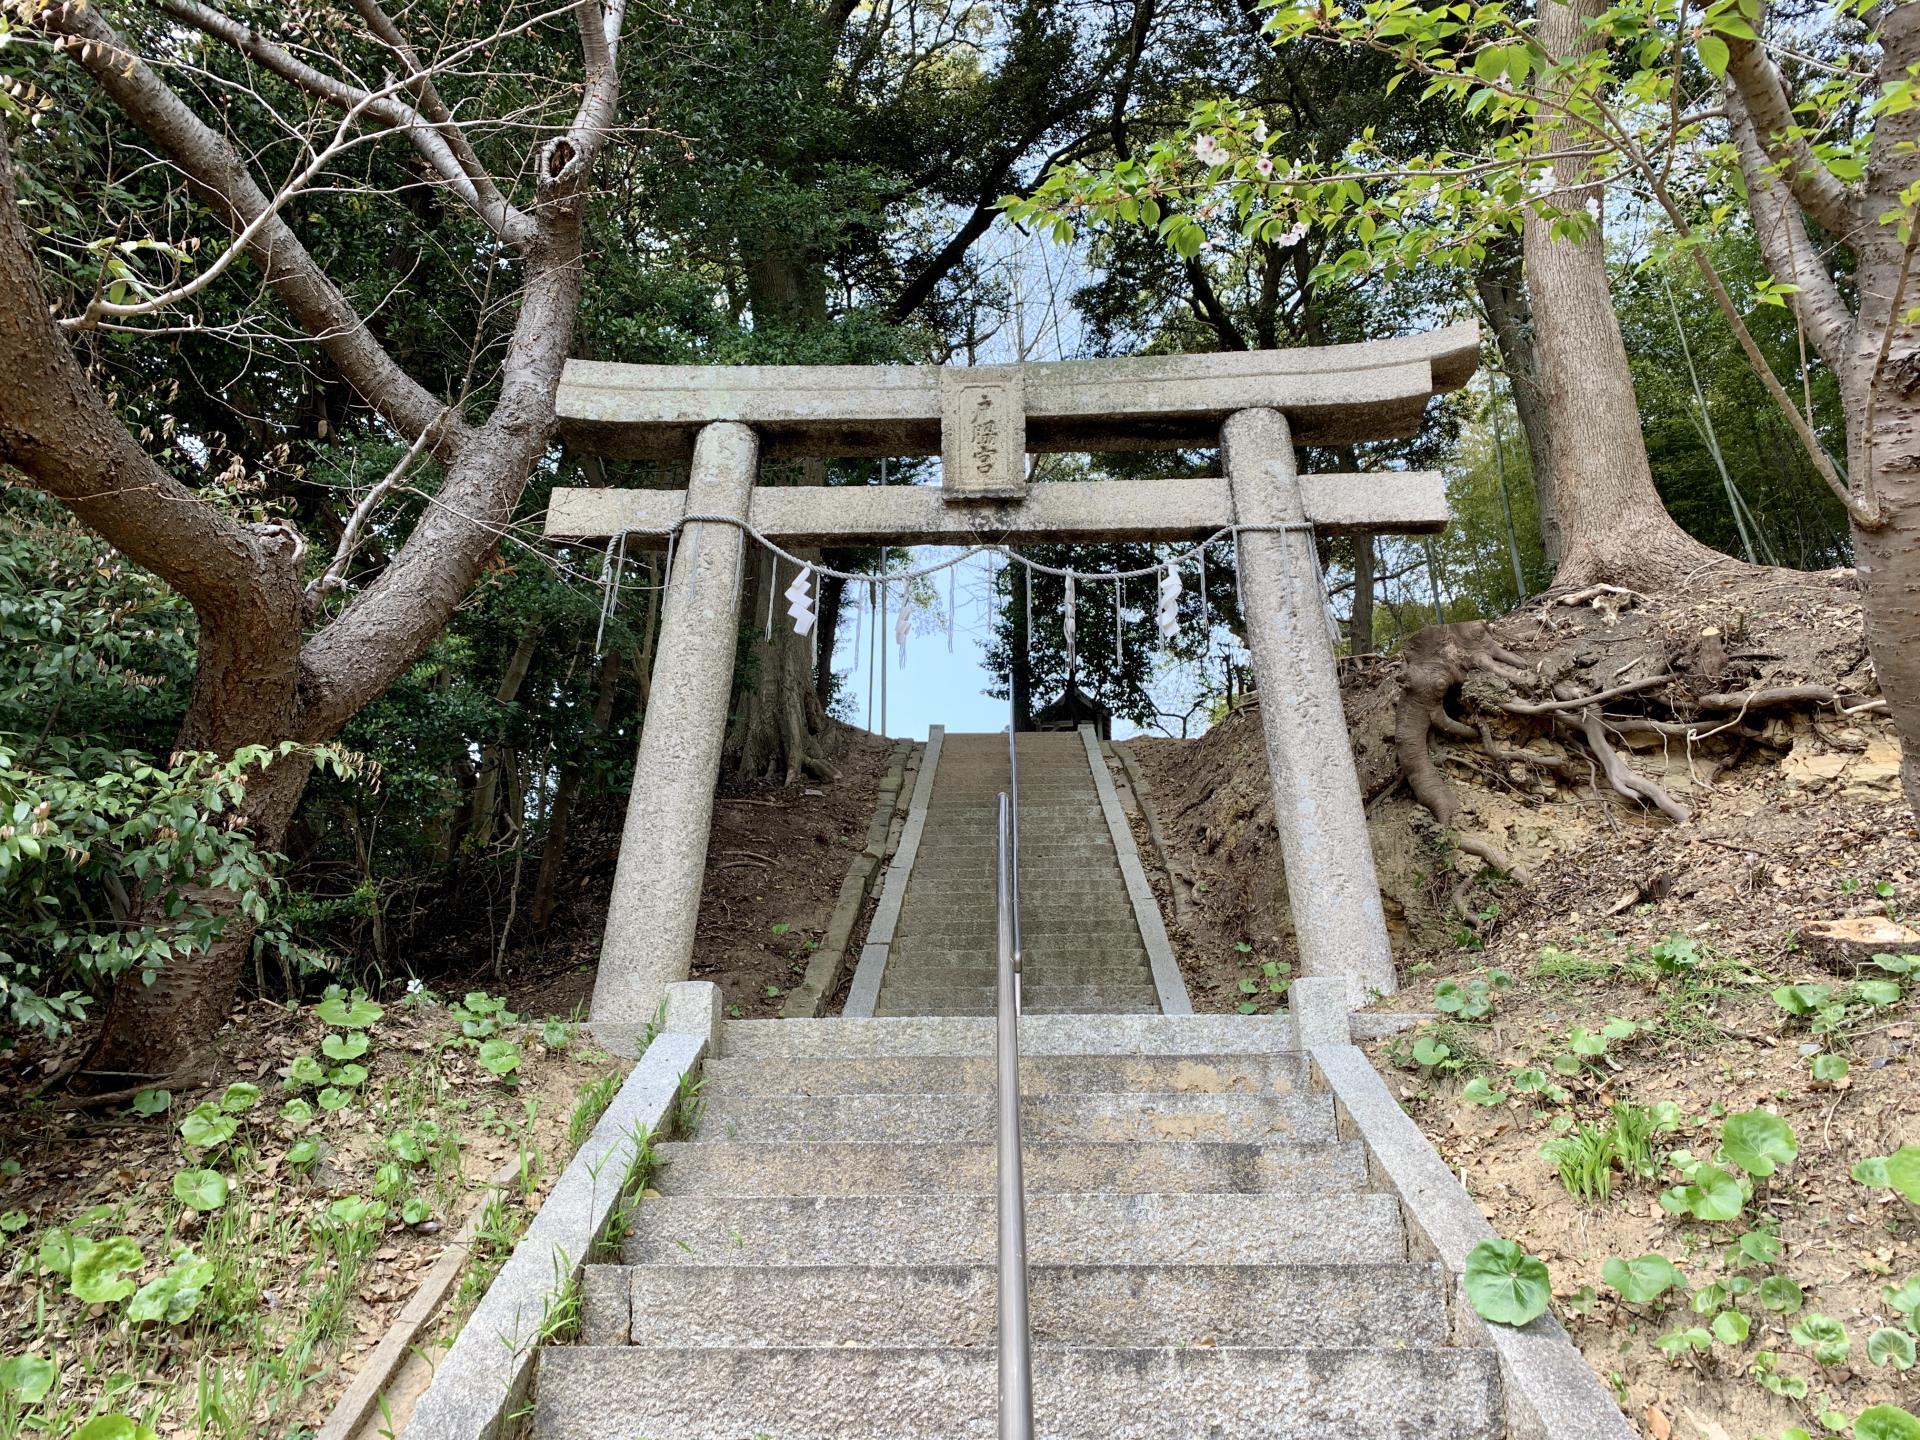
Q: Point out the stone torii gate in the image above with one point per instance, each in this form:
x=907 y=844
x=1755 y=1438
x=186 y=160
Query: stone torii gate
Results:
x=983 y=421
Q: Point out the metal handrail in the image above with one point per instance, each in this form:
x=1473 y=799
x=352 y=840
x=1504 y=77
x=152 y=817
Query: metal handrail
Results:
x=1016 y=1364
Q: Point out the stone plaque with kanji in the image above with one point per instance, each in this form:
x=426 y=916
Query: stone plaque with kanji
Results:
x=983 y=433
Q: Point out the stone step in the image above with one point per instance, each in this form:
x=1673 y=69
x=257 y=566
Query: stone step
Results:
x=1061 y=1230
x=823 y=1393
x=912 y=972
x=1108 y=953
x=1055 y=937
x=1336 y=1306
x=911 y=999
x=717 y=1167
x=969 y=1116
x=790 y=1077
x=852 y=1038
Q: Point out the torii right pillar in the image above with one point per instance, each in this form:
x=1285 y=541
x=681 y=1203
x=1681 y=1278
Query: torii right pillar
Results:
x=1331 y=886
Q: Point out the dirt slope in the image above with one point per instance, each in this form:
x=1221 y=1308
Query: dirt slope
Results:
x=1685 y=930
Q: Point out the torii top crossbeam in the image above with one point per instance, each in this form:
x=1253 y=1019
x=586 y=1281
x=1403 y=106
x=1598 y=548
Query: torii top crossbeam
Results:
x=990 y=417
x=983 y=422
x=1331 y=395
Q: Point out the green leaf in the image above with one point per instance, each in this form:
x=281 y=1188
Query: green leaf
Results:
x=1876 y=992
x=1888 y=1346
x=99 y=1270
x=500 y=1057
x=415 y=1211
x=27 y=1378
x=113 y=1427
x=350 y=1046
x=1825 y=1336
x=1478 y=1092
x=406 y=1145
x=1829 y=1068
x=303 y=1152
x=1886 y=1422
x=173 y=1296
x=1903 y=1172
x=1714 y=1194
x=1802 y=1000
x=152 y=1102
x=1505 y=1284
x=1730 y=1327
x=303 y=1070
x=349 y=1077
x=202 y=1190
x=333 y=1099
x=1642 y=1280
x=1781 y=1293
x=348 y=1014
x=1714 y=54
x=1871 y=1171
x=57 y=1249
x=240 y=1098
x=207 y=1127
x=1759 y=1142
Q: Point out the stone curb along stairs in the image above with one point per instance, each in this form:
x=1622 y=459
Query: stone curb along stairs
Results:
x=1234 y=1231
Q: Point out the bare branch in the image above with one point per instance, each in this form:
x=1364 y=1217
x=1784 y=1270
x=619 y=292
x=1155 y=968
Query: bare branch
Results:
x=208 y=160
x=382 y=107
x=419 y=82
x=59 y=432
x=1752 y=75
x=1785 y=244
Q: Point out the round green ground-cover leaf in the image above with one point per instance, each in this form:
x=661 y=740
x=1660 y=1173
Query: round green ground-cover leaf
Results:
x=1888 y=1346
x=1759 y=1142
x=152 y=1102
x=174 y=1296
x=1641 y=1280
x=1825 y=1336
x=100 y=1269
x=350 y=1046
x=304 y=1070
x=202 y=1190
x=239 y=1098
x=1781 y=1293
x=1871 y=1171
x=27 y=1378
x=1714 y=1194
x=355 y=1014
x=1886 y=1422
x=1505 y=1284
x=1903 y=1172
x=500 y=1057
x=1730 y=1327
x=206 y=1127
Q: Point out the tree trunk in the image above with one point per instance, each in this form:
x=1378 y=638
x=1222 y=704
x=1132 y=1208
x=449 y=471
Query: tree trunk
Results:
x=777 y=713
x=1881 y=394
x=1503 y=296
x=1019 y=654
x=832 y=591
x=496 y=758
x=553 y=851
x=1612 y=522
x=1360 y=628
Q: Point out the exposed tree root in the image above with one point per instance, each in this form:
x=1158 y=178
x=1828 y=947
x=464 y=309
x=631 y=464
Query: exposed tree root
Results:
x=1460 y=684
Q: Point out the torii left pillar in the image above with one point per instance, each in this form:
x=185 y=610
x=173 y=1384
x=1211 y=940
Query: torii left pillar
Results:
x=663 y=848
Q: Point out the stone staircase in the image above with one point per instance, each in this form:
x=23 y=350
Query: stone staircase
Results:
x=1209 y=1257
x=1083 y=948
